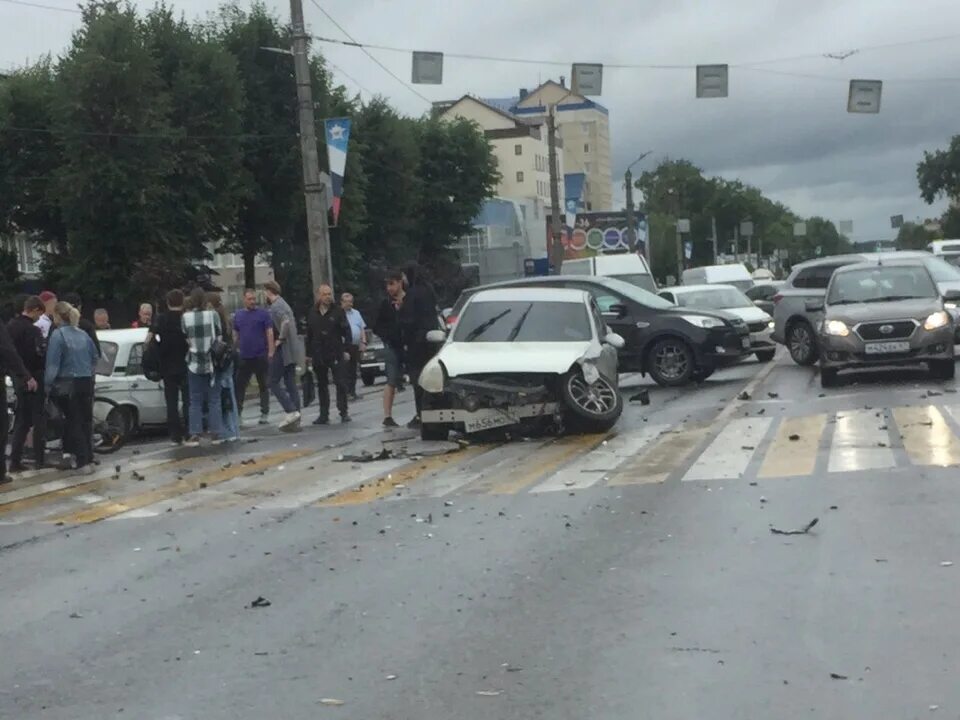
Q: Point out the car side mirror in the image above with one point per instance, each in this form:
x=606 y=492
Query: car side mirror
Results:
x=436 y=336
x=616 y=311
x=614 y=340
x=813 y=305
x=952 y=296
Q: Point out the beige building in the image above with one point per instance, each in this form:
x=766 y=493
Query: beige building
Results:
x=519 y=145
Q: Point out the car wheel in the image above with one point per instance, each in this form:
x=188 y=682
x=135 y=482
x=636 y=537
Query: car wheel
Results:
x=671 y=362
x=828 y=377
x=111 y=432
x=766 y=355
x=802 y=343
x=367 y=379
x=943 y=369
x=434 y=431
x=593 y=408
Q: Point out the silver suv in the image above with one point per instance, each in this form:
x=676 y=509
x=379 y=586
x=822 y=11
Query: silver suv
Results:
x=794 y=325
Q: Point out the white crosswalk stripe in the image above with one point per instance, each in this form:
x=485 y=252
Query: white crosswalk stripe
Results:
x=729 y=454
x=861 y=441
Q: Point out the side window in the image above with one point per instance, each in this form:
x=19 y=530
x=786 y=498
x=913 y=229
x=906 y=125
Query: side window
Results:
x=668 y=297
x=821 y=276
x=135 y=361
x=605 y=302
x=598 y=319
x=802 y=280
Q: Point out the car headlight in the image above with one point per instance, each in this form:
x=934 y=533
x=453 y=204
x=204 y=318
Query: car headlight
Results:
x=432 y=377
x=703 y=321
x=936 y=320
x=836 y=327
x=771 y=325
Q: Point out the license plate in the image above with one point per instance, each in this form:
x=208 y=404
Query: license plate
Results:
x=745 y=341
x=883 y=348
x=487 y=419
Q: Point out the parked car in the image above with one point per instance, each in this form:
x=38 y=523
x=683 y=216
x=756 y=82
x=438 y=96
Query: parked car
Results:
x=732 y=300
x=120 y=378
x=373 y=362
x=794 y=324
x=523 y=356
x=735 y=274
x=673 y=345
x=889 y=313
x=762 y=294
x=629 y=267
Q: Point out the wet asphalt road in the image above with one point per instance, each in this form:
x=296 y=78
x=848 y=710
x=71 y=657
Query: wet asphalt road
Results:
x=668 y=599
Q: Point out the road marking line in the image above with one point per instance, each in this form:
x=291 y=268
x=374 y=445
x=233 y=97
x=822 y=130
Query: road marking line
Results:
x=504 y=458
x=790 y=458
x=670 y=451
x=590 y=469
x=860 y=442
x=926 y=436
x=190 y=483
x=730 y=452
x=547 y=459
x=747 y=390
x=387 y=483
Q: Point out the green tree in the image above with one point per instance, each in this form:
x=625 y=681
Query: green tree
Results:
x=938 y=174
x=914 y=236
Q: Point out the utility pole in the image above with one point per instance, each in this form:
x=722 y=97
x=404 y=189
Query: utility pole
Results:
x=314 y=190
x=631 y=232
x=680 y=262
x=556 y=232
x=713 y=230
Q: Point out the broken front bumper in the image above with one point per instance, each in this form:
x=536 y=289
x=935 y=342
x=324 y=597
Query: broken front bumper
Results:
x=488 y=418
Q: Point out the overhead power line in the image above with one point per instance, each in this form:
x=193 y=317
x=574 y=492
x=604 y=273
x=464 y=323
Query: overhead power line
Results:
x=370 y=55
x=41 y=6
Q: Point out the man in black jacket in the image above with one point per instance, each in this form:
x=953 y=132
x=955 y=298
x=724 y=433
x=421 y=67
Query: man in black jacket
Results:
x=21 y=355
x=418 y=316
x=168 y=329
x=328 y=334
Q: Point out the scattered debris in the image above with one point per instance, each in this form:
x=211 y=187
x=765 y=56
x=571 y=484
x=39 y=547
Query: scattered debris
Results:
x=747 y=447
x=933 y=393
x=331 y=701
x=712 y=651
x=753 y=484
x=933 y=708
x=773 y=395
x=75 y=615
x=744 y=396
x=762 y=499
x=800 y=531
x=570 y=483
x=202 y=485
x=838 y=676
x=834 y=507
x=448 y=503
x=881 y=444
x=366 y=456
x=260 y=602
x=946 y=563
x=488 y=693
x=248 y=461
x=391 y=677
x=261 y=654
x=794 y=437
x=643 y=397
x=880 y=560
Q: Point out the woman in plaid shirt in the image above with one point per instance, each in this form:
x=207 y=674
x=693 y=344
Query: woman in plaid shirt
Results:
x=202 y=327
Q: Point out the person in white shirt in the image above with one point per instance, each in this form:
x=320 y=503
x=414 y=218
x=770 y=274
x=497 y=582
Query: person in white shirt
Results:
x=358 y=345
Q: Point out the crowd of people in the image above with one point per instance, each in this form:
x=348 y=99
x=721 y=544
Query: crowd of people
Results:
x=206 y=359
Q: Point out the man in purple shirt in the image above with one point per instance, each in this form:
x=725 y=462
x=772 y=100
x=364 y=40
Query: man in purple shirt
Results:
x=255 y=346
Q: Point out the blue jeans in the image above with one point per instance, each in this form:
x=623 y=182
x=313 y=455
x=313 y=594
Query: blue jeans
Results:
x=203 y=390
x=231 y=415
x=283 y=382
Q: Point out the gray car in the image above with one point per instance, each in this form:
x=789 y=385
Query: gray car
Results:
x=794 y=324
x=889 y=313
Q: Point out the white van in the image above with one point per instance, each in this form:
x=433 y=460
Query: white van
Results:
x=735 y=274
x=629 y=267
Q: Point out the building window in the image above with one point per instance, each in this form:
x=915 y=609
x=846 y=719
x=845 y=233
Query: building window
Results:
x=586 y=147
x=518 y=149
x=520 y=176
x=586 y=126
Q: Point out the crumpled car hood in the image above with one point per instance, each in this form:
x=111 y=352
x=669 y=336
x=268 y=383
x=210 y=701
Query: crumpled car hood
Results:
x=511 y=357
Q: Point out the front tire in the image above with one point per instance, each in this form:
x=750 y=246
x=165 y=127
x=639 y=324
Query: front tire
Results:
x=592 y=408
x=367 y=379
x=111 y=433
x=802 y=343
x=765 y=356
x=828 y=377
x=943 y=369
x=670 y=362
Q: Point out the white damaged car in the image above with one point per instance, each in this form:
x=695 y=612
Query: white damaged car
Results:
x=529 y=357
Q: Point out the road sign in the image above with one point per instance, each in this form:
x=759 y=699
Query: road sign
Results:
x=688 y=249
x=427 y=68
x=864 y=96
x=746 y=228
x=818 y=251
x=896 y=221
x=712 y=81
x=683 y=225
x=799 y=229
x=587 y=78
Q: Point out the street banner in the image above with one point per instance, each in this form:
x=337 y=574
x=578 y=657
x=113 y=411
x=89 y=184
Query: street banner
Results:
x=595 y=233
x=337 y=132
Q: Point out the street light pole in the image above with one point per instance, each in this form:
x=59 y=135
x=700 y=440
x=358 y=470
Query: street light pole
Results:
x=631 y=229
x=318 y=233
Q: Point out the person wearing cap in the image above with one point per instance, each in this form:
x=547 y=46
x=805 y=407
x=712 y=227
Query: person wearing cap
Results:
x=45 y=321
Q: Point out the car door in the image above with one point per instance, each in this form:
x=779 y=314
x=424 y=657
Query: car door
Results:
x=145 y=394
x=609 y=357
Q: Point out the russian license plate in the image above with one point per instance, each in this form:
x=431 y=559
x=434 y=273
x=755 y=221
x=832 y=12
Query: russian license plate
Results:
x=745 y=341
x=488 y=419
x=884 y=348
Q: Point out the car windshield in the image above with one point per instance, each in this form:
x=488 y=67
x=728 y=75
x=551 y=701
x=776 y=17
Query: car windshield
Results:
x=108 y=356
x=641 y=280
x=713 y=299
x=637 y=294
x=523 y=321
x=881 y=284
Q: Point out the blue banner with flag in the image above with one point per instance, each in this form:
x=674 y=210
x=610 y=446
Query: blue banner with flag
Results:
x=337 y=133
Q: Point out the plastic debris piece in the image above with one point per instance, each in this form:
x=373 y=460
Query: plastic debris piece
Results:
x=744 y=396
x=946 y=563
x=260 y=602
x=391 y=677
x=838 y=676
x=794 y=437
x=488 y=693
x=799 y=531
x=331 y=701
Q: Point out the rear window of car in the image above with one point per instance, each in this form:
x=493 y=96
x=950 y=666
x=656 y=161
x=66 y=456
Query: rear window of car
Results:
x=817 y=277
x=523 y=321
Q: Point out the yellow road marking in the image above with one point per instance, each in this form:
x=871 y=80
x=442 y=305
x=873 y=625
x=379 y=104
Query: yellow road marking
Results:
x=666 y=454
x=542 y=462
x=927 y=438
x=108 y=508
x=387 y=483
x=789 y=458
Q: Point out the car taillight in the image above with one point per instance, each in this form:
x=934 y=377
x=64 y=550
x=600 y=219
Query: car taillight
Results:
x=777 y=298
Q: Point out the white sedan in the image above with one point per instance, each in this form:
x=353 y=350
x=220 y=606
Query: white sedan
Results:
x=523 y=356
x=732 y=300
x=120 y=378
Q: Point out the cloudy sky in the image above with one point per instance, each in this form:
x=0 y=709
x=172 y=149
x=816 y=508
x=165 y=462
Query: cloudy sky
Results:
x=784 y=127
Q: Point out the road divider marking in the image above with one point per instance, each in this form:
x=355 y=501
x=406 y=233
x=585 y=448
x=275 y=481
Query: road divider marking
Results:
x=546 y=459
x=794 y=450
x=860 y=442
x=397 y=481
x=730 y=452
x=667 y=453
x=595 y=466
x=190 y=483
x=926 y=436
